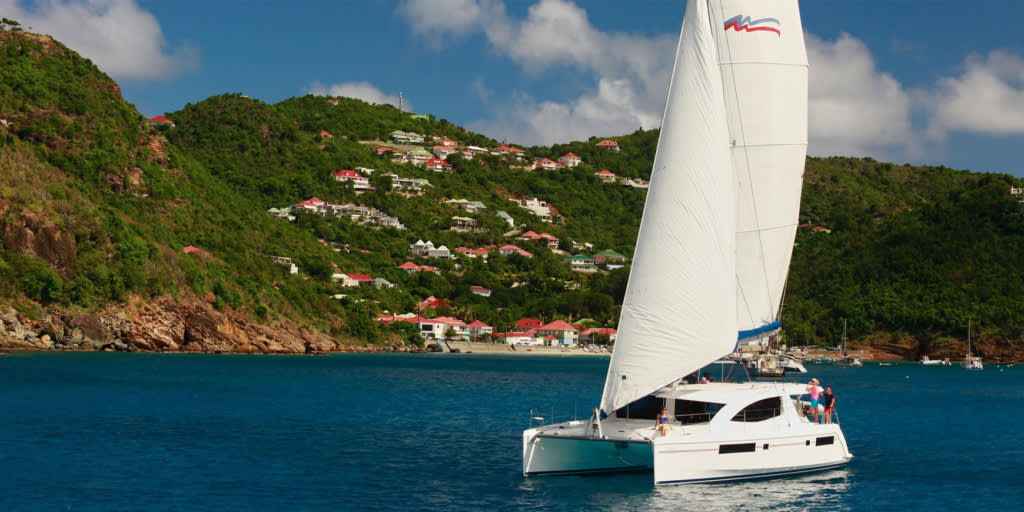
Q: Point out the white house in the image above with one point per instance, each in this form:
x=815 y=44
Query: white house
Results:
x=570 y=160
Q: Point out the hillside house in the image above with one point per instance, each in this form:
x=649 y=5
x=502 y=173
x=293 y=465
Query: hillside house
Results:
x=418 y=156
x=582 y=246
x=605 y=176
x=407 y=185
x=480 y=290
x=380 y=150
x=570 y=160
x=433 y=302
x=463 y=224
x=412 y=268
x=473 y=253
x=359 y=182
x=365 y=171
x=610 y=259
x=380 y=282
x=546 y=164
x=437 y=165
x=161 y=122
x=293 y=269
x=428 y=250
x=401 y=137
x=442 y=152
x=582 y=263
x=446 y=142
x=282 y=213
x=352 y=280
x=506 y=217
x=608 y=144
x=326 y=134
x=508 y=250
x=550 y=241
x=314 y=204
x=508 y=150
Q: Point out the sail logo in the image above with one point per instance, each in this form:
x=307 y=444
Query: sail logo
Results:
x=741 y=23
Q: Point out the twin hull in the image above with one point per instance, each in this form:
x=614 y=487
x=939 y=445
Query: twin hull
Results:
x=677 y=459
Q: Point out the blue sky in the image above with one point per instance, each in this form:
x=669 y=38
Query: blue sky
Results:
x=927 y=81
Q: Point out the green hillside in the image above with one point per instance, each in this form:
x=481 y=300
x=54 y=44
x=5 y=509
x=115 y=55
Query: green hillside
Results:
x=97 y=206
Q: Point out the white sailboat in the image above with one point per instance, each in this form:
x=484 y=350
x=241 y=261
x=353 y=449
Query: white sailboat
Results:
x=723 y=199
x=971 y=362
x=847 y=360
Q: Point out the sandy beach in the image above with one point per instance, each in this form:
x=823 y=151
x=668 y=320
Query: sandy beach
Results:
x=498 y=348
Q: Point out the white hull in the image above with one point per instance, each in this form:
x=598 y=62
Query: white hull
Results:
x=722 y=449
x=972 y=363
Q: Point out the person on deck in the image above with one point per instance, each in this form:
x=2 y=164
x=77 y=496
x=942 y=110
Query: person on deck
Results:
x=828 y=399
x=815 y=392
x=663 y=421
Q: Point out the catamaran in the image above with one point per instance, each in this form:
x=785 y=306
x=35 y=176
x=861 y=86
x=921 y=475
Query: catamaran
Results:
x=710 y=267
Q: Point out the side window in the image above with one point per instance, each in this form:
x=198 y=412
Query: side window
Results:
x=760 y=410
x=690 y=412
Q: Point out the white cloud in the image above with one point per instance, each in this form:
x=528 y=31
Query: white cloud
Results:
x=630 y=73
x=124 y=40
x=853 y=108
x=987 y=98
x=361 y=90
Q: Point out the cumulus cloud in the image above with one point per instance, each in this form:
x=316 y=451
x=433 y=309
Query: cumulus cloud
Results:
x=853 y=108
x=630 y=73
x=123 y=39
x=987 y=98
x=361 y=90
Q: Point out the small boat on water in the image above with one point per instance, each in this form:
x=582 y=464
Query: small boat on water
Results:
x=935 y=362
x=847 y=360
x=971 y=362
x=712 y=255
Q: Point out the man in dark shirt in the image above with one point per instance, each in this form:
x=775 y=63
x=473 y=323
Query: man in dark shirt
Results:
x=829 y=401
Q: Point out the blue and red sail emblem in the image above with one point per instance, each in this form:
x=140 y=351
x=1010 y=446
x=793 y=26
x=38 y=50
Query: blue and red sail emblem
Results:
x=741 y=23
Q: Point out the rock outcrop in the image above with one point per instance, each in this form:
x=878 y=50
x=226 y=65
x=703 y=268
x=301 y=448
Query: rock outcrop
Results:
x=164 y=325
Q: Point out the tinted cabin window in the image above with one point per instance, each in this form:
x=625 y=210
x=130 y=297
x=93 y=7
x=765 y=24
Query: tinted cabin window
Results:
x=824 y=440
x=689 y=412
x=646 y=408
x=736 y=448
x=760 y=410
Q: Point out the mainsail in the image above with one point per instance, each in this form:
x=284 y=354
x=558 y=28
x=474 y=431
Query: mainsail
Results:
x=764 y=74
x=679 y=312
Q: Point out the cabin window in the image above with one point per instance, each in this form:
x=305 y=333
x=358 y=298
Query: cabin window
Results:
x=760 y=410
x=736 y=448
x=646 y=408
x=689 y=412
x=821 y=441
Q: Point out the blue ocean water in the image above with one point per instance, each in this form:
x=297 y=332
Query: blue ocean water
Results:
x=119 y=432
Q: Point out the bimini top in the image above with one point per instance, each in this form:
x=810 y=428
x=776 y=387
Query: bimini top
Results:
x=726 y=392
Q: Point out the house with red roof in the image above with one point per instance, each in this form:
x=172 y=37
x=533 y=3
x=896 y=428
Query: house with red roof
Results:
x=326 y=134
x=588 y=335
x=433 y=302
x=608 y=144
x=605 y=175
x=161 y=122
x=545 y=163
x=570 y=160
x=508 y=250
x=313 y=204
x=438 y=165
x=507 y=150
x=473 y=253
x=353 y=280
x=549 y=240
x=528 y=323
x=448 y=142
x=565 y=334
x=478 y=329
x=359 y=182
x=527 y=338
x=413 y=268
x=480 y=290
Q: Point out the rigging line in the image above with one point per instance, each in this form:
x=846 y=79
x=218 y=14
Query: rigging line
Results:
x=746 y=157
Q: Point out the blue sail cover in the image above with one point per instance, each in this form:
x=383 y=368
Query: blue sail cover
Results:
x=758 y=332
